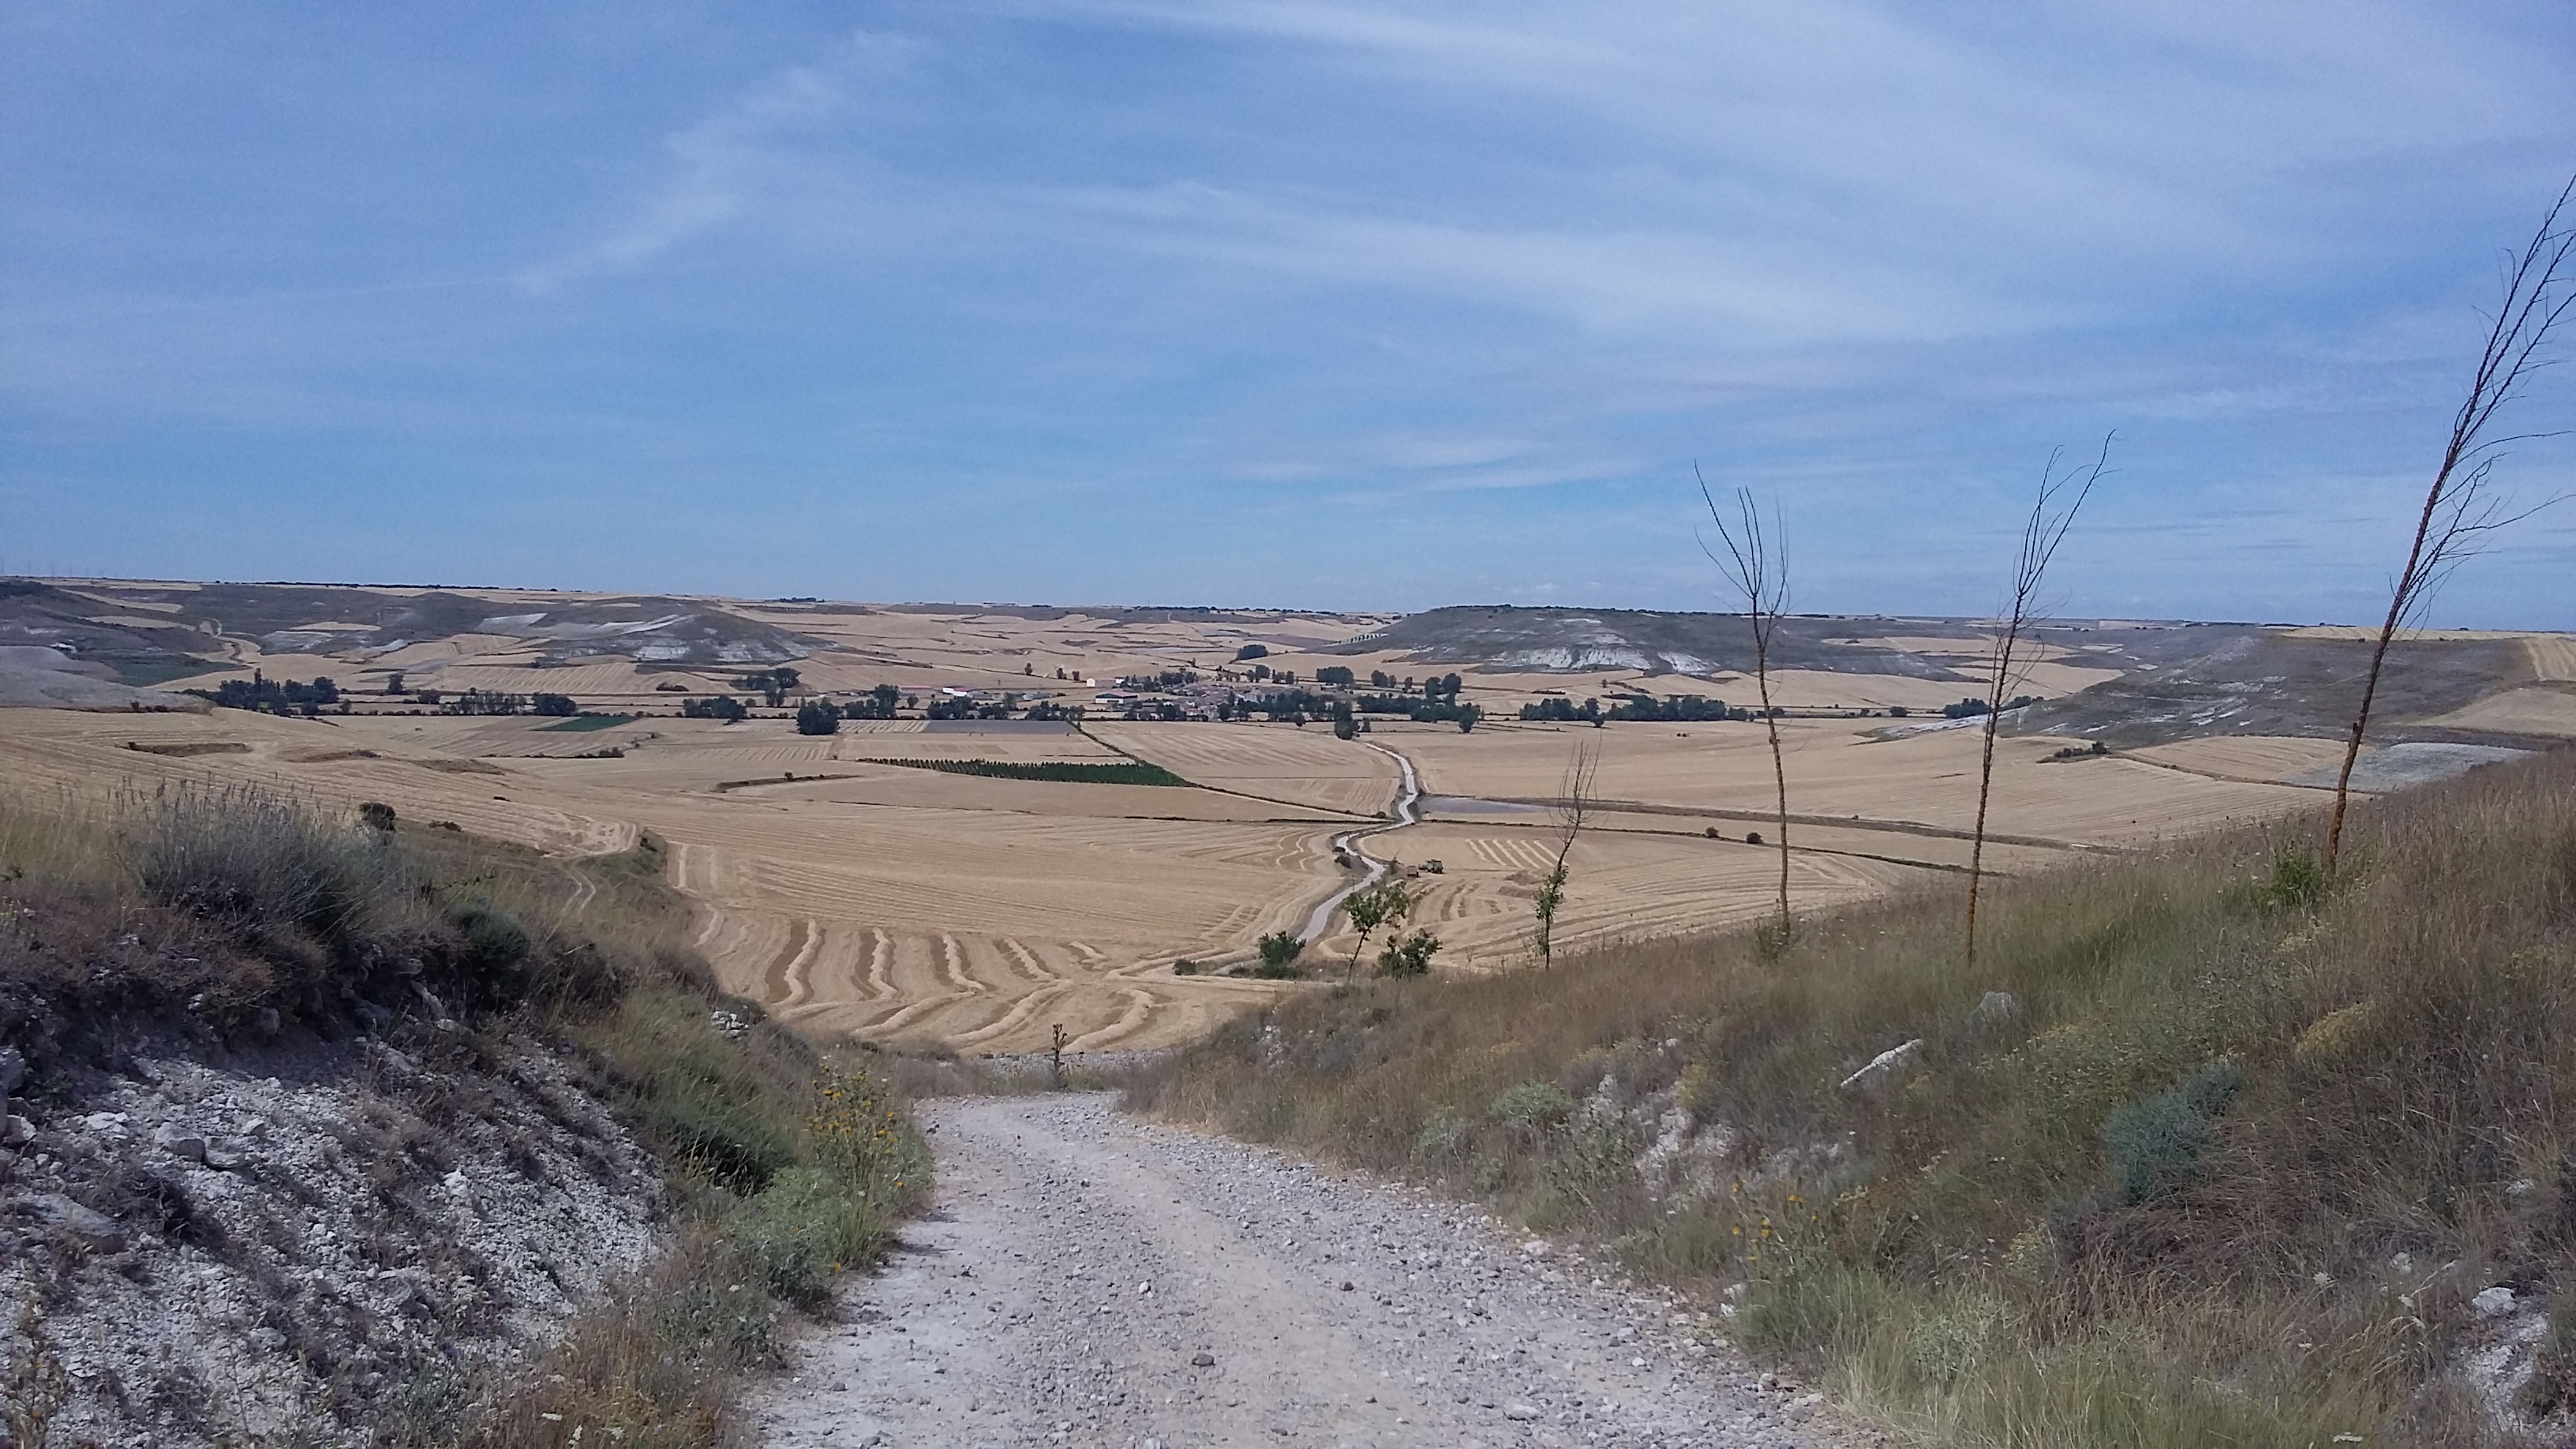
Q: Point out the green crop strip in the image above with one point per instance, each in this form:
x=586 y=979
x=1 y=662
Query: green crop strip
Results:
x=1124 y=772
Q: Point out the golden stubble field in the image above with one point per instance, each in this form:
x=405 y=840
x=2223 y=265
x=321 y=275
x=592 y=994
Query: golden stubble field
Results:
x=856 y=895
x=918 y=648
x=909 y=905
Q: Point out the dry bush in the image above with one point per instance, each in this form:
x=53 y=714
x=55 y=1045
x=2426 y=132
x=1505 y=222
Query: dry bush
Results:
x=252 y=858
x=2396 y=1081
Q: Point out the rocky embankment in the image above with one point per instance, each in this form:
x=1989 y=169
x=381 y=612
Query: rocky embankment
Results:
x=329 y=1238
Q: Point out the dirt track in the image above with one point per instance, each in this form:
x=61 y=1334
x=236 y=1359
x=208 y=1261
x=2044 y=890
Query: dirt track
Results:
x=1090 y=1280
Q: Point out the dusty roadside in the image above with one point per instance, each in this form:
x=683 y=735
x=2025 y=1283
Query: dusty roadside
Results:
x=1089 y=1279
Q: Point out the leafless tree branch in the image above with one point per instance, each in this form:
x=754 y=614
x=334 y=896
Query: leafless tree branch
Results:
x=2062 y=493
x=1756 y=563
x=2460 y=515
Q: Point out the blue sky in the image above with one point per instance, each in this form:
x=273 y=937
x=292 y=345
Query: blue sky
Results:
x=1372 y=306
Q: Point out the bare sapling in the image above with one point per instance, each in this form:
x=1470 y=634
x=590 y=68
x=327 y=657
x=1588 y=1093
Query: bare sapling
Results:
x=2461 y=513
x=2061 y=496
x=1575 y=802
x=1756 y=565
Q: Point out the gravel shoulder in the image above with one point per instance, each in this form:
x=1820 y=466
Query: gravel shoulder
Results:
x=1090 y=1279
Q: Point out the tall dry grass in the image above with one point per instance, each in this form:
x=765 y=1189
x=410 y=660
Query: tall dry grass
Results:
x=2227 y=1174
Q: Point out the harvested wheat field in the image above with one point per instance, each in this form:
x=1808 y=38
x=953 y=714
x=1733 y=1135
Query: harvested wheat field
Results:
x=980 y=882
x=853 y=890
x=1304 y=767
x=2534 y=711
x=892 y=902
x=1845 y=772
x=2260 y=759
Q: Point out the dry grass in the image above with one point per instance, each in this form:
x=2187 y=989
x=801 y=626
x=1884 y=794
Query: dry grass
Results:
x=1957 y=1250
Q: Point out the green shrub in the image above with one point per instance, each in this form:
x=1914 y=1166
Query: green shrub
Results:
x=803 y=1228
x=2154 y=1145
x=1952 y=1342
x=1279 y=952
x=1596 y=1157
x=1408 y=957
x=2298 y=877
x=1441 y=1138
x=1532 y=1106
x=492 y=965
x=729 y=1145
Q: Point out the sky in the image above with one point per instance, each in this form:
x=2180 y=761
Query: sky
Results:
x=1272 y=302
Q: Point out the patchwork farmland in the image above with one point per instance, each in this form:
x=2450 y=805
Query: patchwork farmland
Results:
x=852 y=892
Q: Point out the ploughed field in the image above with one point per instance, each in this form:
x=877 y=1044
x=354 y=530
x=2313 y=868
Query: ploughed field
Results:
x=852 y=893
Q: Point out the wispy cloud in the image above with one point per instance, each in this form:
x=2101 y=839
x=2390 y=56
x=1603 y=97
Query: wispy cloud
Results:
x=1101 y=279
x=755 y=159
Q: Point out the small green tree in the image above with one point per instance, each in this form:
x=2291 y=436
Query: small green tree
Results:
x=818 y=717
x=1382 y=904
x=1279 y=953
x=1410 y=956
x=1346 y=726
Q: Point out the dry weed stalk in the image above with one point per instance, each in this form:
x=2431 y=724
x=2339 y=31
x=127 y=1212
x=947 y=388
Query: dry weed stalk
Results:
x=2459 y=513
x=2007 y=666
x=34 y=1386
x=1756 y=563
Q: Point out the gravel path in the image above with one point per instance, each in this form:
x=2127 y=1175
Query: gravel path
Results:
x=1092 y=1280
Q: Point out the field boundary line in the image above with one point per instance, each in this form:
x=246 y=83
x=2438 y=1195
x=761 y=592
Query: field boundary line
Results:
x=1846 y=822
x=1794 y=849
